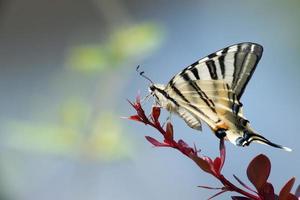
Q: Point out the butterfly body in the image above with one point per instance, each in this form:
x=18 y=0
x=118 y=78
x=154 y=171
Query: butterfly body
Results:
x=210 y=89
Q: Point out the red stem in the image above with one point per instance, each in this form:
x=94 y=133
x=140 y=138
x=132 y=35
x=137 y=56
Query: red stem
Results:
x=228 y=185
x=232 y=187
x=221 y=178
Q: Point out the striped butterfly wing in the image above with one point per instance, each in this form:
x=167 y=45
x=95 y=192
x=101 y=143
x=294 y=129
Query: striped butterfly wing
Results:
x=211 y=87
x=221 y=96
x=224 y=108
x=190 y=119
x=210 y=100
x=193 y=103
x=234 y=64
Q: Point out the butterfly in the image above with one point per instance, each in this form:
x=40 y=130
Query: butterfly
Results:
x=209 y=90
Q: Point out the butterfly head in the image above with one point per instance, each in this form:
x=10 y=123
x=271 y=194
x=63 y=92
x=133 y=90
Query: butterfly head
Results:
x=161 y=97
x=153 y=88
x=157 y=90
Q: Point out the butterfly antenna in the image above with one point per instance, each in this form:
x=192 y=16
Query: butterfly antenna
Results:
x=142 y=74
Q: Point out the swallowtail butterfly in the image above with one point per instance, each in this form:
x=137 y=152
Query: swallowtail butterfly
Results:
x=209 y=90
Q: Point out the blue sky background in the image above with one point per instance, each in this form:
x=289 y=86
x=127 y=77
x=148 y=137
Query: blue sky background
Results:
x=53 y=146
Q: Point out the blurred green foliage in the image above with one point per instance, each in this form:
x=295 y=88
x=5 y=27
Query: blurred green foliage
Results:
x=83 y=131
x=72 y=138
x=122 y=45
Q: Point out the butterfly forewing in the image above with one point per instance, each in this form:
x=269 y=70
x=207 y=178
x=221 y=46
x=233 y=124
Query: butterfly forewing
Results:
x=210 y=88
x=235 y=65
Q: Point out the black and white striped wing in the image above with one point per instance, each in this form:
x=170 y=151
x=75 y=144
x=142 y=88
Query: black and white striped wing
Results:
x=192 y=120
x=193 y=103
x=234 y=64
x=209 y=100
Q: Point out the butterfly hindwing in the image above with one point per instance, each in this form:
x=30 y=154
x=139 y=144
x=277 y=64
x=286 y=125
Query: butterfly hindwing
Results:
x=190 y=119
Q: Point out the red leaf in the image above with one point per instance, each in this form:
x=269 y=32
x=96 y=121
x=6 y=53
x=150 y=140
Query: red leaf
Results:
x=155 y=142
x=239 y=198
x=217 y=165
x=211 y=188
x=140 y=112
x=135 y=118
x=267 y=191
x=285 y=191
x=169 y=132
x=292 y=197
x=258 y=171
x=202 y=163
x=155 y=113
x=136 y=105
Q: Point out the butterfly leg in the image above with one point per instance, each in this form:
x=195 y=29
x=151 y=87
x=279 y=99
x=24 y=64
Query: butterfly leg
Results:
x=168 y=119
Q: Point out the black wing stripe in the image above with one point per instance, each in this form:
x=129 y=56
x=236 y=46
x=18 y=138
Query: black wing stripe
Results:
x=222 y=65
x=202 y=94
x=225 y=50
x=211 y=55
x=212 y=69
x=195 y=72
x=175 y=89
x=234 y=64
x=253 y=54
x=247 y=79
x=167 y=96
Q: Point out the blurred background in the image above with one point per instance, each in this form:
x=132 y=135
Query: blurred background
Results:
x=67 y=68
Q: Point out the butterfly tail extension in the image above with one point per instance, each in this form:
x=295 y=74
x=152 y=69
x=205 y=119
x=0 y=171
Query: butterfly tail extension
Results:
x=254 y=137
